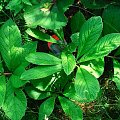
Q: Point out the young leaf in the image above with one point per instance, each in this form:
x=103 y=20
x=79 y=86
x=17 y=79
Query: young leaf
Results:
x=41 y=58
x=77 y=21
x=71 y=109
x=68 y=62
x=2 y=89
x=40 y=72
x=102 y=47
x=15 y=103
x=40 y=35
x=46 y=108
x=89 y=34
x=86 y=85
x=10 y=42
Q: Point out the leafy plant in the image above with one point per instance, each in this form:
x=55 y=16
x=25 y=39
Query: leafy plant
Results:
x=69 y=78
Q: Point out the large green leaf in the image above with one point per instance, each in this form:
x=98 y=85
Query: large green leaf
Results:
x=2 y=89
x=46 y=108
x=77 y=21
x=71 y=109
x=40 y=72
x=89 y=34
x=15 y=103
x=86 y=85
x=10 y=42
x=95 y=67
x=41 y=58
x=46 y=18
x=102 y=47
x=68 y=62
x=116 y=77
x=40 y=35
x=111 y=18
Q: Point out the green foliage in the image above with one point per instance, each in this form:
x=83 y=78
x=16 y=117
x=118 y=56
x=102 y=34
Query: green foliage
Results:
x=10 y=41
x=40 y=72
x=40 y=35
x=15 y=103
x=102 y=47
x=68 y=62
x=40 y=58
x=116 y=77
x=95 y=4
x=77 y=21
x=111 y=22
x=89 y=34
x=46 y=108
x=2 y=89
x=70 y=78
x=71 y=109
x=86 y=85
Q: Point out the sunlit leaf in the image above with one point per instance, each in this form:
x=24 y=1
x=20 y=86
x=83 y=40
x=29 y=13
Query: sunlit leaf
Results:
x=71 y=109
x=46 y=108
x=86 y=85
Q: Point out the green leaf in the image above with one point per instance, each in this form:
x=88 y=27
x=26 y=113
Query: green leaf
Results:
x=16 y=57
x=41 y=58
x=77 y=21
x=73 y=45
x=71 y=93
x=15 y=103
x=48 y=19
x=10 y=42
x=2 y=89
x=116 y=77
x=102 y=47
x=111 y=22
x=95 y=4
x=64 y=5
x=15 y=5
x=26 y=2
x=43 y=84
x=71 y=109
x=16 y=81
x=40 y=72
x=95 y=67
x=40 y=35
x=89 y=34
x=86 y=85
x=46 y=108
x=68 y=62
x=36 y=94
